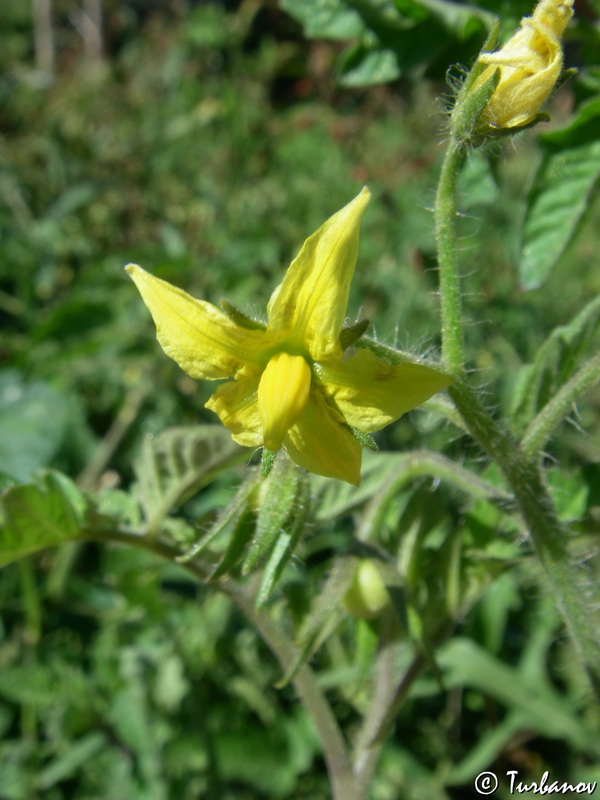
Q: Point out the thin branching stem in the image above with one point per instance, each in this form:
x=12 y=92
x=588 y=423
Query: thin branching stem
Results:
x=424 y=463
x=542 y=426
x=369 y=741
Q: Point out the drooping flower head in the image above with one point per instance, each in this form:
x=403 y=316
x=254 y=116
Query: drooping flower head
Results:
x=291 y=383
x=530 y=64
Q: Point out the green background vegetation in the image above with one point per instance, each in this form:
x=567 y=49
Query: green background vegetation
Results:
x=206 y=144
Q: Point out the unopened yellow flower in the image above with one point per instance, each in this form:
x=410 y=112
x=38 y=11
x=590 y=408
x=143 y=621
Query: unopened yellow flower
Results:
x=530 y=63
x=292 y=384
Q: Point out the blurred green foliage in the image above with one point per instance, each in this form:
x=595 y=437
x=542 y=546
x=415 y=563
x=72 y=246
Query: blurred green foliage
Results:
x=206 y=145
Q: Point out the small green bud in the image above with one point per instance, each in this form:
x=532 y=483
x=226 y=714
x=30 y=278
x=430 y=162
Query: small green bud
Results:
x=367 y=596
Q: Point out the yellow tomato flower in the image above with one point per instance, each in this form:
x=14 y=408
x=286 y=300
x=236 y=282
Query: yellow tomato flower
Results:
x=292 y=384
x=530 y=63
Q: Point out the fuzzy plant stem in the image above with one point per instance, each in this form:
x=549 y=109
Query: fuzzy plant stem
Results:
x=548 y=535
x=449 y=280
x=560 y=406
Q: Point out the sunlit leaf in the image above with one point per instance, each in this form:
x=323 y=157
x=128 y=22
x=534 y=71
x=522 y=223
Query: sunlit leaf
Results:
x=38 y=515
x=564 y=186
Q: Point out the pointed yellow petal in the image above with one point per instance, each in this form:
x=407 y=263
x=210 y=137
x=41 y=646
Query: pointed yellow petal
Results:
x=197 y=335
x=320 y=444
x=309 y=306
x=235 y=404
x=370 y=393
x=282 y=396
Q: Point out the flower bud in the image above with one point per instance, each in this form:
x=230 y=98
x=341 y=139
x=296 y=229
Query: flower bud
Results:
x=530 y=64
x=283 y=393
x=367 y=596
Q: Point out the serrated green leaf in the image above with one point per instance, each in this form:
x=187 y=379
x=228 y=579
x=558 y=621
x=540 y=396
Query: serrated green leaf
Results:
x=564 y=186
x=179 y=462
x=39 y=515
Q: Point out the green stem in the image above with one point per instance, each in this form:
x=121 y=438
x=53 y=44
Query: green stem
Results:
x=422 y=463
x=548 y=535
x=334 y=747
x=369 y=741
x=399 y=692
x=445 y=230
x=554 y=412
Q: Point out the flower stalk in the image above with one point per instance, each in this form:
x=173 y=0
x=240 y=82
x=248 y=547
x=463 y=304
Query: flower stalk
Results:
x=445 y=229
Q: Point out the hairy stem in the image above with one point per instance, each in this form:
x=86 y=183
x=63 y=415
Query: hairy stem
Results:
x=554 y=412
x=445 y=230
x=548 y=535
x=421 y=463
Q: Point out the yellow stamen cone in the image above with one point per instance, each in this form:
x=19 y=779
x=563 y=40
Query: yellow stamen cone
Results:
x=282 y=396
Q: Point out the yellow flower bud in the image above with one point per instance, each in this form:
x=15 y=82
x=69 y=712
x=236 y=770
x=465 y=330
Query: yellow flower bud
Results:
x=283 y=393
x=530 y=63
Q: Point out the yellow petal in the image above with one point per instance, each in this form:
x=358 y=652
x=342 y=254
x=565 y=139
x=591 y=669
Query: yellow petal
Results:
x=235 y=404
x=320 y=444
x=371 y=393
x=197 y=335
x=282 y=396
x=530 y=63
x=308 y=308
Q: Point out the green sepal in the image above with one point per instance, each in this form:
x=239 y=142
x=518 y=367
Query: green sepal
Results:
x=499 y=133
x=241 y=319
x=351 y=333
x=489 y=46
x=242 y=534
x=266 y=464
x=564 y=76
x=286 y=541
x=469 y=107
x=229 y=516
x=364 y=439
x=276 y=499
